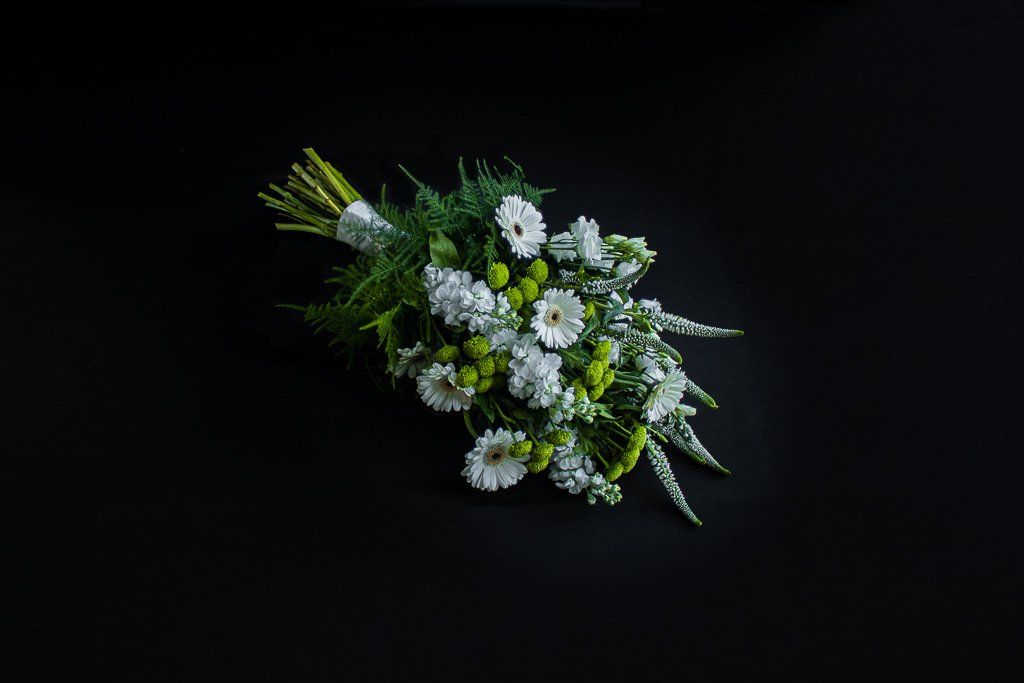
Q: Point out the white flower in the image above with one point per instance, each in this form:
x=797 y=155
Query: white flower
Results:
x=665 y=396
x=559 y=318
x=648 y=365
x=477 y=299
x=560 y=246
x=490 y=466
x=627 y=268
x=572 y=471
x=438 y=389
x=650 y=305
x=411 y=361
x=588 y=243
x=521 y=225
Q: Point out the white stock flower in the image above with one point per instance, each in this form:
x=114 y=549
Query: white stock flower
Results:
x=571 y=470
x=559 y=318
x=490 y=465
x=665 y=396
x=437 y=387
x=521 y=225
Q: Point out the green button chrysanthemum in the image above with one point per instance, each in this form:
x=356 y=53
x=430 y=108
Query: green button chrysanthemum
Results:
x=596 y=392
x=483 y=385
x=588 y=310
x=537 y=466
x=476 y=347
x=558 y=437
x=543 y=451
x=447 y=354
x=538 y=271
x=614 y=471
x=485 y=366
x=637 y=440
x=607 y=378
x=520 y=448
x=530 y=290
x=629 y=459
x=501 y=361
x=515 y=297
x=497 y=275
x=467 y=376
x=602 y=349
x=594 y=373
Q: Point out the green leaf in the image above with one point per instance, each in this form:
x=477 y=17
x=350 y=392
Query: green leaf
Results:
x=443 y=253
x=484 y=404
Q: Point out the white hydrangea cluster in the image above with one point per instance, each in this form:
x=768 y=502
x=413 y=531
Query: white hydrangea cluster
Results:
x=455 y=296
x=533 y=374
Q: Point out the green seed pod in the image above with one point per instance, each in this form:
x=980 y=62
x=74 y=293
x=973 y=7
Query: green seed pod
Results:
x=467 y=376
x=497 y=275
x=501 y=361
x=614 y=471
x=538 y=271
x=515 y=297
x=529 y=289
x=485 y=366
x=447 y=354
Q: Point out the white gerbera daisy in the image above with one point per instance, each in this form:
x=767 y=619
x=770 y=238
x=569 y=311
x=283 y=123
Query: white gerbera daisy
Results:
x=649 y=369
x=490 y=465
x=437 y=387
x=559 y=318
x=521 y=225
x=665 y=396
x=411 y=361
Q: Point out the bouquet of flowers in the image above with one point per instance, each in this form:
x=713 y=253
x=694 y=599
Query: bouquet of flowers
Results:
x=533 y=337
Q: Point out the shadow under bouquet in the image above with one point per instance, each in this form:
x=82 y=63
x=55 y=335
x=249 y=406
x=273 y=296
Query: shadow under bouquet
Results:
x=533 y=337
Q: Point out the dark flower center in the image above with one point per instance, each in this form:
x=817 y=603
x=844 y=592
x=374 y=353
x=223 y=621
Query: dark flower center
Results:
x=554 y=316
x=517 y=229
x=495 y=455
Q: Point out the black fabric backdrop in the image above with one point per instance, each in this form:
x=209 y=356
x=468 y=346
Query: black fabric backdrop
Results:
x=199 y=491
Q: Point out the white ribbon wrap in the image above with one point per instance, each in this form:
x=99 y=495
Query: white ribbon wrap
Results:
x=360 y=225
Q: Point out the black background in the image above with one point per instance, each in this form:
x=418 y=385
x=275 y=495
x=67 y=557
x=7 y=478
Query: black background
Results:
x=200 y=492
